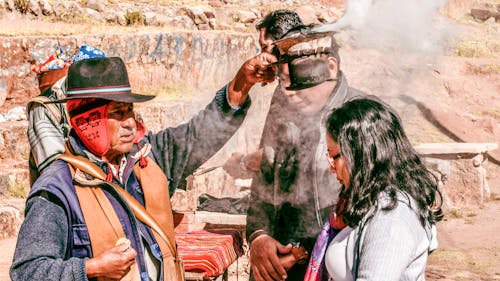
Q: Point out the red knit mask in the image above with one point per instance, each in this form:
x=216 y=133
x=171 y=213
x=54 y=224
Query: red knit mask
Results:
x=92 y=127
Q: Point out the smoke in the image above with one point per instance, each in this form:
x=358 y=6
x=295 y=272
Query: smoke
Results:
x=409 y=26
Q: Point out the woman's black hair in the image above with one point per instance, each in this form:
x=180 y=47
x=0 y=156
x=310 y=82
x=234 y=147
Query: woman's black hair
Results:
x=380 y=158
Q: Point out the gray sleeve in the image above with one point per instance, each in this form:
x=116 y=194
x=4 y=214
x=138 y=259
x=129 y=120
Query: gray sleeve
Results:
x=42 y=244
x=261 y=211
x=181 y=150
x=45 y=136
x=387 y=248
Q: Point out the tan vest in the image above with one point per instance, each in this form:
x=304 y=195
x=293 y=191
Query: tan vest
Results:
x=102 y=222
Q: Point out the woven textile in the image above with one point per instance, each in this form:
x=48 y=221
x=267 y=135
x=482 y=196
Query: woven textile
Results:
x=210 y=250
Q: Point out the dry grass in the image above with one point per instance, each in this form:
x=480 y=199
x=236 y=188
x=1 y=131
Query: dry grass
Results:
x=495 y=113
x=454 y=213
x=474 y=259
x=483 y=69
x=14 y=24
x=484 y=47
x=485 y=42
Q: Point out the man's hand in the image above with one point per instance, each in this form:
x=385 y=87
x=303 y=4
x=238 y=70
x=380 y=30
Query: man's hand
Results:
x=257 y=69
x=264 y=259
x=241 y=166
x=114 y=263
x=236 y=168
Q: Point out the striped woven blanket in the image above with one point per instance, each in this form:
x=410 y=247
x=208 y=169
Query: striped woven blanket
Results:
x=210 y=250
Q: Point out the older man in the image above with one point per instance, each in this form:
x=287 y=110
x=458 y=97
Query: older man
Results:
x=103 y=211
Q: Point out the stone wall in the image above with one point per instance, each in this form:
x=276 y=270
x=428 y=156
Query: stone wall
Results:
x=191 y=60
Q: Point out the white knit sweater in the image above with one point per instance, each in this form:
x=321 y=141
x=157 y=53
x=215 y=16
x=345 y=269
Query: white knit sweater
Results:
x=393 y=246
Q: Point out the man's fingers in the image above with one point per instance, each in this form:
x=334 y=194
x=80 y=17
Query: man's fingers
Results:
x=256 y=274
x=279 y=272
x=130 y=254
x=266 y=275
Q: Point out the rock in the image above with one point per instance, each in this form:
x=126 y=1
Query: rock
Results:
x=10 y=221
x=490 y=21
x=239 y=26
x=10 y=5
x=3 y=91
x=480 y=14
x=150 y=18
x=97 y=5
x=307 y=14
x=16 y=114
x=329 y=15
x=246 y=17
x=46 y=7
x=34 y=8
x=215 y=3
x=116 y=17
x=13 y=144
x=94 y=15
x=183 y=22
x=67 y=8
x=197 y=14
x=212 y=23
x=163 y=20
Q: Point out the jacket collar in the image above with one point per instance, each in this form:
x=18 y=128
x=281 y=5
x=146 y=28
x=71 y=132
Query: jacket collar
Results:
x=338 y=96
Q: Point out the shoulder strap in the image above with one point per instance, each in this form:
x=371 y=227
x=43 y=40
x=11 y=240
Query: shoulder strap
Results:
x=51 y=107
x=139 y=211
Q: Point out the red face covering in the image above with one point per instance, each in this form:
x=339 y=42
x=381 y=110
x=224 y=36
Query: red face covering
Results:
x=91 y=125
x=88 y=117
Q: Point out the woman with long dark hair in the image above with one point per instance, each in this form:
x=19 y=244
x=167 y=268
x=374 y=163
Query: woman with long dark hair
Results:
x=391 y=201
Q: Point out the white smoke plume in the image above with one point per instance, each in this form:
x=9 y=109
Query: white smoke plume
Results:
x=404 y=25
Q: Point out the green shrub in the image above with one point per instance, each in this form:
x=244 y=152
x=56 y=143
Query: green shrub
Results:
x=134 y=18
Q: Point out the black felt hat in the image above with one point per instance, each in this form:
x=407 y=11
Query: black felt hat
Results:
x=103 y=78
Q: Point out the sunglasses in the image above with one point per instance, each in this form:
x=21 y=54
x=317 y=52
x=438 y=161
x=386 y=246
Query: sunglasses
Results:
x=331 y=158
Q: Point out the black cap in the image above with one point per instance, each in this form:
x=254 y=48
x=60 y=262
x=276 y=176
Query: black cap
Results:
x=306 y=72
x=306 y=54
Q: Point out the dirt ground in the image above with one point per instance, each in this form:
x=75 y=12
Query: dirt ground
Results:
x=469 y=242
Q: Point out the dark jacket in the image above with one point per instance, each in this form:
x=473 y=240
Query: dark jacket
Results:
x=294 y=192
x=53 y=241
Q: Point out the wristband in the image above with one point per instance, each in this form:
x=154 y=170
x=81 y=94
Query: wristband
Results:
x=256 y=234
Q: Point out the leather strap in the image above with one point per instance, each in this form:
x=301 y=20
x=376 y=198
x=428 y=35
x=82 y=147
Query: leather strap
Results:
x=140 y=212
x=100 y=219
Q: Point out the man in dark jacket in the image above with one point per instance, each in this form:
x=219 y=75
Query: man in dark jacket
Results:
x=91 y=218
x=271 y=28
x=293 y=193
